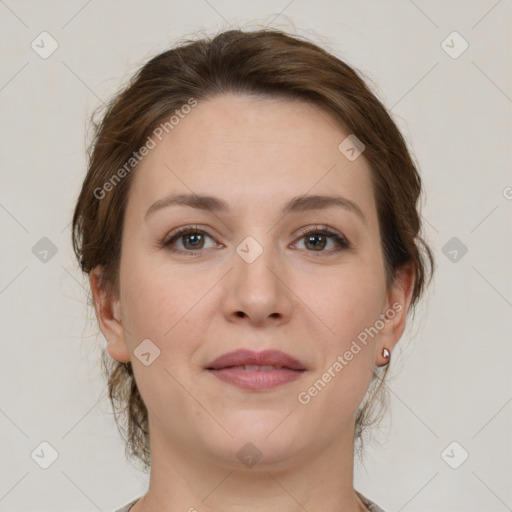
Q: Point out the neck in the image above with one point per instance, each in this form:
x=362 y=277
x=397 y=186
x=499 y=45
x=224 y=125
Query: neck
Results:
x=318 y=480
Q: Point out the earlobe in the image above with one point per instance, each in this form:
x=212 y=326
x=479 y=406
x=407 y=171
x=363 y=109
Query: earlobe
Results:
x=397 y=306
x=108 y=314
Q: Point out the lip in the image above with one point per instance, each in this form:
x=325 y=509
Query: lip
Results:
x=287 y=369
x=248 y=357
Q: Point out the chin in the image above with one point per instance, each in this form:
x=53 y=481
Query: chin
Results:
x=257 y=454
x=259 y=440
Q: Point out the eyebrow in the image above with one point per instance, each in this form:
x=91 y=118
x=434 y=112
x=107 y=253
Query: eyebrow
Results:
x=295 y=205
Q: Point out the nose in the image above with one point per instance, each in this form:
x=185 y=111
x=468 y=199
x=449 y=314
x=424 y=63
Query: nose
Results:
x=256 y=291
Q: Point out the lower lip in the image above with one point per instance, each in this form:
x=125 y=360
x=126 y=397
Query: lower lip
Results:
x=257 y=380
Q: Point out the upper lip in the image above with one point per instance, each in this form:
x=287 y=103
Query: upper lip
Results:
x=248 y=357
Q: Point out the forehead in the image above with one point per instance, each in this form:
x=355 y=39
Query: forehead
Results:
x=252 y=149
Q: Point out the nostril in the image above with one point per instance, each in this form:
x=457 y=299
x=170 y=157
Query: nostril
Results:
x=241 y=314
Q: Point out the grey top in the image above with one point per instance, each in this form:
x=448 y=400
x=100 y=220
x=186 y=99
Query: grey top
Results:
x=372 y=507
x=127 y=507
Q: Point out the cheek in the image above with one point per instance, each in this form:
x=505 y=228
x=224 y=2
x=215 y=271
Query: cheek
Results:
x=346 y=306
x=345 y=302
x=155 y=300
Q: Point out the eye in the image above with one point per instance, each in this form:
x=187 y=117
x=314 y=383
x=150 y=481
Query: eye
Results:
x=317 y=238
x=192 y=239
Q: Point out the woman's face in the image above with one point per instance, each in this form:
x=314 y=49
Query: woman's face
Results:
x=247 y=276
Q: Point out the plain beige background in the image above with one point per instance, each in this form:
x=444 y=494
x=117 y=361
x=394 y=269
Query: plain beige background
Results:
x=452 y=374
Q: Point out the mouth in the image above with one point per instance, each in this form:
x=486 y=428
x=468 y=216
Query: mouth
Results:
x=256 y=370
x=252 y=361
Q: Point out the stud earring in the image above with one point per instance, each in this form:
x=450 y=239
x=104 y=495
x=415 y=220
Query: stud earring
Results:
x=385 y=353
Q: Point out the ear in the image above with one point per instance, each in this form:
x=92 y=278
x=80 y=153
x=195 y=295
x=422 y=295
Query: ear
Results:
x=396 y=306
x=108 y=314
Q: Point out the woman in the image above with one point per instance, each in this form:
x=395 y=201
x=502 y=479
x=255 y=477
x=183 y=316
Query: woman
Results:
x=250 y=229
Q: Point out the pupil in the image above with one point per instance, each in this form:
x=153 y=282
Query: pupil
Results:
x=321 y=245
x=195 y=237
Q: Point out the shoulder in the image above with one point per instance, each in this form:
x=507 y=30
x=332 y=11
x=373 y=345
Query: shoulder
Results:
x=127 y=507
x=372 y=507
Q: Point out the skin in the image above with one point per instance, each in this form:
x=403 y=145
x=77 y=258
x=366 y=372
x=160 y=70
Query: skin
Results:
x=256 y=154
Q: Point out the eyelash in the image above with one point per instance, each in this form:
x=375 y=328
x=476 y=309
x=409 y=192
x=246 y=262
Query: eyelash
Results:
x=341 y=242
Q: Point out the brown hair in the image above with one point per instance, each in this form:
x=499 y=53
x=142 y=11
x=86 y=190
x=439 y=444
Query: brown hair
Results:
x=263 y=62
